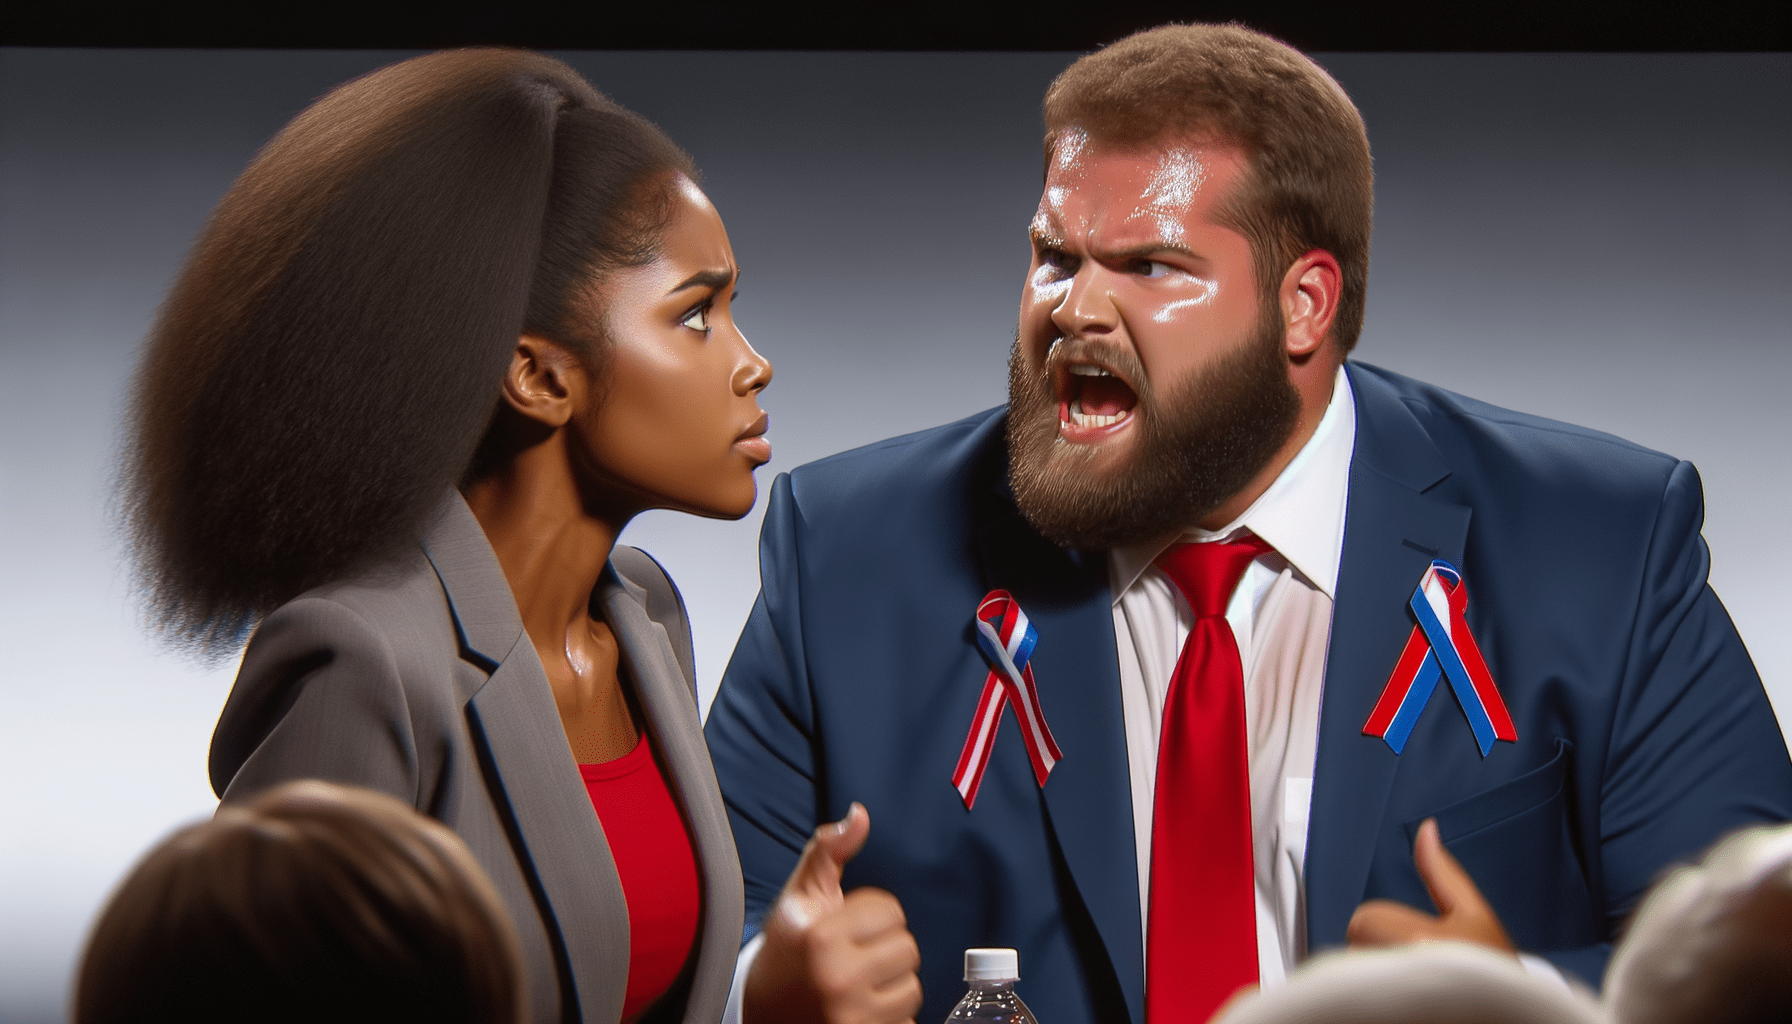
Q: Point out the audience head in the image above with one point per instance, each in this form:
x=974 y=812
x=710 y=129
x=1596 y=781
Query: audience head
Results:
x=315 y=903
x=1430 y=983
x=1712 y=943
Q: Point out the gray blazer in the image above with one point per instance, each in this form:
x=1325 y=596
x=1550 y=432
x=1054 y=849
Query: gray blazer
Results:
x=419 y=681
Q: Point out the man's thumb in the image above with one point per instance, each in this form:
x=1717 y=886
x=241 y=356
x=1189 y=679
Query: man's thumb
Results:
x=815 y=884
x=1449 y=885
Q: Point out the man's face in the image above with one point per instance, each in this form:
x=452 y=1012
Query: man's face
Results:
x=1148 y=382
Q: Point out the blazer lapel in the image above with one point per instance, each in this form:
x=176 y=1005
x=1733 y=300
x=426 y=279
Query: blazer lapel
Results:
x=1392 y=531
x=531 y=772
x=1088 y=798
x=678 y=738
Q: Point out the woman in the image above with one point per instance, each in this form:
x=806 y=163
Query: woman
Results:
x=315 y=902
x=454 y=327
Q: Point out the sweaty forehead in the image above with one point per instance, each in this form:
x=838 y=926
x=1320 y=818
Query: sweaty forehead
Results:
x=1136 y=192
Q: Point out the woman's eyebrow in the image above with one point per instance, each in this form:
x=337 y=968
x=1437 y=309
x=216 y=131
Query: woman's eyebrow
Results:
x=714 y=280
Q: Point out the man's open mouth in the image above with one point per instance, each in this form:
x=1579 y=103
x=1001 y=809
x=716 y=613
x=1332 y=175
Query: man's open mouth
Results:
x=1092 y=399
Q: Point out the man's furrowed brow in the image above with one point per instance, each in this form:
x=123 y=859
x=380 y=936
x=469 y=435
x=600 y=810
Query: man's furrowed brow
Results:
x=1146 y=250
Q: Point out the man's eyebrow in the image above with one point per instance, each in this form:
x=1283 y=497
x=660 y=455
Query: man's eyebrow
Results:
x=1043 y=239
x=1148 y=250
x=714 y=280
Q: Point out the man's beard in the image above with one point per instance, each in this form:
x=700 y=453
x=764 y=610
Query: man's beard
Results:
x=1197 y=446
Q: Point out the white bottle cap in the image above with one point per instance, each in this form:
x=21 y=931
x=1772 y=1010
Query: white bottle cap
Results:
x=991 y=965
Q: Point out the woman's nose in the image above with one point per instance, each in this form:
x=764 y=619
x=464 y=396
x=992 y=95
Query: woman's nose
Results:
x=754 y=371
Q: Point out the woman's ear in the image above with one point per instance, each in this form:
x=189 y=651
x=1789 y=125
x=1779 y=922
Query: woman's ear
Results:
x=543 y=382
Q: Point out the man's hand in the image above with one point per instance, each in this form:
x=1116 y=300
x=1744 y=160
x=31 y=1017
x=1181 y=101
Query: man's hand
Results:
x=831 y=957
x=1462 y=912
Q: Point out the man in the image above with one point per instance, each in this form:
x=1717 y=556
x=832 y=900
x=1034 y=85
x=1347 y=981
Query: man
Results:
x=1313 y=648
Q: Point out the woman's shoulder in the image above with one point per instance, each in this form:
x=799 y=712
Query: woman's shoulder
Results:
x=384 y=634
x=398 y=608
x=340 y=671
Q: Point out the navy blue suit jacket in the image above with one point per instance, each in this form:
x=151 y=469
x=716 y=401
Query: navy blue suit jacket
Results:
x=1643 y=730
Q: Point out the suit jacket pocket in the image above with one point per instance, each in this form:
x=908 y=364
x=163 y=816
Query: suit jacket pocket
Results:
x=1515 y=841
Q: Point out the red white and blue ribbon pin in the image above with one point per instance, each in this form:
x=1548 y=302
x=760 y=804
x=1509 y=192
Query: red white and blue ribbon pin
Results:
x=1440 y=645
x=1007 y=639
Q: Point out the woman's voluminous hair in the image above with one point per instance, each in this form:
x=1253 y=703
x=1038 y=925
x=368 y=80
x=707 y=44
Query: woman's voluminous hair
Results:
x=315 y=903
x=331 y=355
x=1310 y=184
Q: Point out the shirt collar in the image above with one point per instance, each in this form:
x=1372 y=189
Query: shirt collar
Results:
x=1301 y=515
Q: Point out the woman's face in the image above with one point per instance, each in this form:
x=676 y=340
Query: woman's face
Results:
x=677 y=422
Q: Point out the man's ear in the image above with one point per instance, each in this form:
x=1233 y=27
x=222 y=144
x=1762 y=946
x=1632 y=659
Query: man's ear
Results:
x=543 y=381
x=1309 y=301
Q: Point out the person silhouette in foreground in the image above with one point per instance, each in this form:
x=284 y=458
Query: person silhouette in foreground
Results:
x=1712 y=944
x=316 y=903
x=1442 y=982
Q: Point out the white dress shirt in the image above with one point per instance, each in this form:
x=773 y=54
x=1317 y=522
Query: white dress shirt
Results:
x=1281 y=617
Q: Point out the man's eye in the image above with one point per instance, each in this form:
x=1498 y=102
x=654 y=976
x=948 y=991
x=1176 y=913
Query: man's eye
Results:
x=1058 y=260
x=698 y=320
x=1151 y=268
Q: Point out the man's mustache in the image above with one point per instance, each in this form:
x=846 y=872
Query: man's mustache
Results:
x=1119 y=360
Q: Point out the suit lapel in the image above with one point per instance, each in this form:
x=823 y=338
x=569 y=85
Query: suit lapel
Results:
x=1392 y=530
x=1088 y=798
x=678 y=739
x=531 y=773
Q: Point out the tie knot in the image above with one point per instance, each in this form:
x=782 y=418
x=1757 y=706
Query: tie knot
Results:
x=1208 y=573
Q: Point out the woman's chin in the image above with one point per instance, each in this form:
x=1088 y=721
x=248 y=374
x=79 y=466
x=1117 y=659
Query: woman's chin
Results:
x=735 y=503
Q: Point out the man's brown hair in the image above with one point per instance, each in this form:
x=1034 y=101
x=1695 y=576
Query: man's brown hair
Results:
x=1309 y=184
x=315 y=903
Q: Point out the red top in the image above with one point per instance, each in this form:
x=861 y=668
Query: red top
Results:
x=657 y=866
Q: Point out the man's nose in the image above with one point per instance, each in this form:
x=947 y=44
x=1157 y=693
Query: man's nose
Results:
x=1088 y=306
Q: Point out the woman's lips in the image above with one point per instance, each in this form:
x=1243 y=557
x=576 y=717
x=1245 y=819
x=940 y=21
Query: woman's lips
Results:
x=752 y=442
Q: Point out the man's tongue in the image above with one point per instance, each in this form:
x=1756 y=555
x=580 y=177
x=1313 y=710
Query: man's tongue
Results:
x=1105 y=396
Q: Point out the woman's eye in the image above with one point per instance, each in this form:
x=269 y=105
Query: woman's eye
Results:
x=698 y=320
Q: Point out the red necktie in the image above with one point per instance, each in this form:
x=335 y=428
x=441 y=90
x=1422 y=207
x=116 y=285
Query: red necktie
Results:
x=1201 y=934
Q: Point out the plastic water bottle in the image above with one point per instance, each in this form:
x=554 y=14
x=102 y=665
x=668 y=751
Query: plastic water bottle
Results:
x=992 y=974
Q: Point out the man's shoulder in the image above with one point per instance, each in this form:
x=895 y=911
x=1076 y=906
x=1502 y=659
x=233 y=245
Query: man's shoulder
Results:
x=1478 y=439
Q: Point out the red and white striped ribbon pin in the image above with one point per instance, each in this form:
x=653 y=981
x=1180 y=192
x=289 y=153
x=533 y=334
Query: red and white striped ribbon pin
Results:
x=1007 y=639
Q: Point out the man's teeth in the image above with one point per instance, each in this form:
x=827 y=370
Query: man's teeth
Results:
x=1089 y=419
x=1086 y=370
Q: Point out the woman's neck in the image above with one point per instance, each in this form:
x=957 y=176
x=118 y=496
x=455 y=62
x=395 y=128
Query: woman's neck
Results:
x=551 y=547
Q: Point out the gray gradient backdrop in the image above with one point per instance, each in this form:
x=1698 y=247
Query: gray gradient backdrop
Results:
x=1600 y=239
